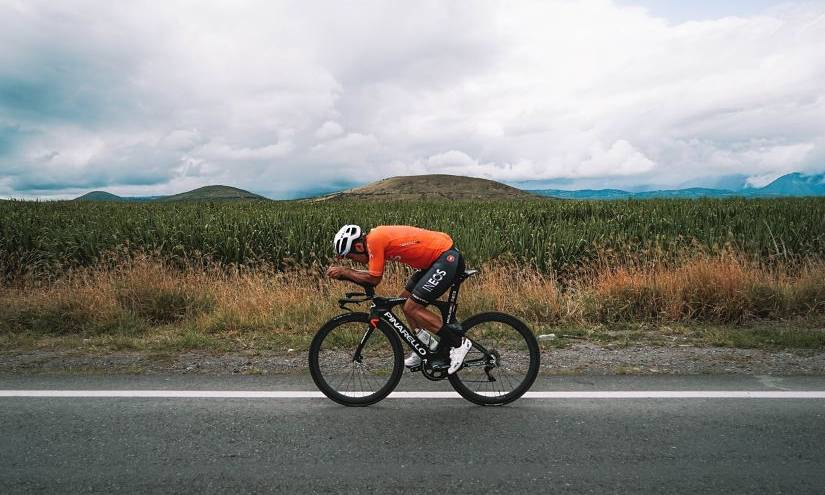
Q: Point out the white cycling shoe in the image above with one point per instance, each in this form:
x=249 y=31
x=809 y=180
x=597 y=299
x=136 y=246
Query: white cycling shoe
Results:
x=457 y=355
x=414 y=359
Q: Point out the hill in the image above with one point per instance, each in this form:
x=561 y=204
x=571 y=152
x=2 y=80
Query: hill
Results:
x=456 y=187
x=212 y=193
x=430 y=187
x=99 y=196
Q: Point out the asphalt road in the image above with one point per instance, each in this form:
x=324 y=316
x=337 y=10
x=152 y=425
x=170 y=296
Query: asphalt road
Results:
x=177 y=445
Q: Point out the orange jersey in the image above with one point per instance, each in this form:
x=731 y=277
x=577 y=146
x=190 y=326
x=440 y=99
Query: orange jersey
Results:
x=416 y=247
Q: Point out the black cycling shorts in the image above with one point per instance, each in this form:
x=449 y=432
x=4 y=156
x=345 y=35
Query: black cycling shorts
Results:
x=425 y=286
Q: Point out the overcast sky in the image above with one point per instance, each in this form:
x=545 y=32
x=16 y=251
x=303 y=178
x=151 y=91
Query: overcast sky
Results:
x=145 y=98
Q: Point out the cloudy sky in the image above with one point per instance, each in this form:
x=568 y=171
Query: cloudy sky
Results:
x=145 y=98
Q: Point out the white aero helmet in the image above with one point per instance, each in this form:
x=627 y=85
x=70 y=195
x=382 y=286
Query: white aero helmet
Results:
x=344 y=239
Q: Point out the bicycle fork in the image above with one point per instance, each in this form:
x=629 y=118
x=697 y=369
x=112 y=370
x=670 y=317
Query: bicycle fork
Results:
x=357 y=357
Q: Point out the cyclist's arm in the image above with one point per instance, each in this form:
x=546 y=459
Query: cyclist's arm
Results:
x=360 y=277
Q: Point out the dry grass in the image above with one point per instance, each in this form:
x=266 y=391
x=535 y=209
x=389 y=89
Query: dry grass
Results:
x=721 y=289
x=148 y=304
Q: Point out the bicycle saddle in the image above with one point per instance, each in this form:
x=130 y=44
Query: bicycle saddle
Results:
x=463 y=276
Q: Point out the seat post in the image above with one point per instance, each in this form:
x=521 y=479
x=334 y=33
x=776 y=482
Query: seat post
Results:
x=452 y=300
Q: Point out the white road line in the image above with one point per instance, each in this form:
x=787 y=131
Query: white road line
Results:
x=256 y=394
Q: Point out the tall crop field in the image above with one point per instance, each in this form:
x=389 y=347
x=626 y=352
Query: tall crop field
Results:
x=551 y=236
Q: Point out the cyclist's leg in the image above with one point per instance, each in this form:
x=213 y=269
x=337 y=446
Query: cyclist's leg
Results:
x=430 y=286
x=408 y=287
x=415 y=323
x=435 y=281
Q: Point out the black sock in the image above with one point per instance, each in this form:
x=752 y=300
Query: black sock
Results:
x=450 y=335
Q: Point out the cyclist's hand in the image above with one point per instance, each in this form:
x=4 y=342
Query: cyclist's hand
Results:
x=336 y=272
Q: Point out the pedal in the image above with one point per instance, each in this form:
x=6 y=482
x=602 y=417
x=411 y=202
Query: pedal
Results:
x=413 y=369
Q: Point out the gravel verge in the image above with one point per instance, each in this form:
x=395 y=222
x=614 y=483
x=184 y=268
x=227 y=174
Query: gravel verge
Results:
x=579 y=359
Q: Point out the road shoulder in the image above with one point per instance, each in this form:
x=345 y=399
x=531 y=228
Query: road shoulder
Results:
x=581 y=359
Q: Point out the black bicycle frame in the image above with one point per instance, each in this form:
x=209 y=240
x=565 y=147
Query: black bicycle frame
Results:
x=381 y=310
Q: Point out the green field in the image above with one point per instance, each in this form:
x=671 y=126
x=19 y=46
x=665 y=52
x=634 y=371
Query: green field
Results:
x=47 y=237
x=160 y=276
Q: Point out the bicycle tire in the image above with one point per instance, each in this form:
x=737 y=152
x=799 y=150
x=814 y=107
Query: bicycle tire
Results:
x=330 y=391
x=532 y=371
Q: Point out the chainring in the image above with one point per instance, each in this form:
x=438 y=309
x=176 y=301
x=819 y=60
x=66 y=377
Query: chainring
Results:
x=434 y=375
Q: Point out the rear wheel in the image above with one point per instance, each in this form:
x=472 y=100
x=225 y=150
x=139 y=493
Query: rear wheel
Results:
x=349 y=379
x=503 y=363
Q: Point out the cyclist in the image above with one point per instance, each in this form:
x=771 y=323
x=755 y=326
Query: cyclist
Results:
x=437 y=261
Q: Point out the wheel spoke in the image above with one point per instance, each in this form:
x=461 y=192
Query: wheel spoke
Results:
x=361 y=387
x=503 y=374
x=356 y=381
x=516 y=352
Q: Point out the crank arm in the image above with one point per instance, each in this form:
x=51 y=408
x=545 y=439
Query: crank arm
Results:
x=475 y=363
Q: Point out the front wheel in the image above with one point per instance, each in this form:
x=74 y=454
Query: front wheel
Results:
x=503 y=362
x=347 y=376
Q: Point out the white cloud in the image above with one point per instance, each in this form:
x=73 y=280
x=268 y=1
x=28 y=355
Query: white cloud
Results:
x=620 y=159
x=349 y=150
x=328 y=130
x=459 y=163
x=277 y=96
x=225 y=153
x=450 y=158
x=762 y=180
x=181 y=139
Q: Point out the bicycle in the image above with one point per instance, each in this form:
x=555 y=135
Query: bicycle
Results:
x=356 y=358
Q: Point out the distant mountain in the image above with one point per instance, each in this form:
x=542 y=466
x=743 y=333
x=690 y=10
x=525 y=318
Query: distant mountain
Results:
x=608 y=194
x=794 y=184
x=430 y=187
x=211 y=193
x=583 y=193
x=691 y=192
